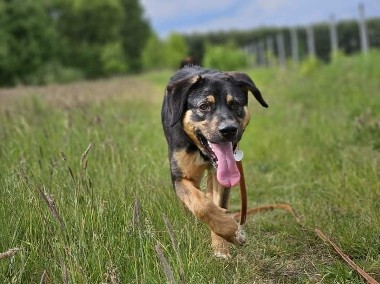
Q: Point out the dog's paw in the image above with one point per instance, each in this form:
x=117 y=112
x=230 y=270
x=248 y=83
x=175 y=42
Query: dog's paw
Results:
x=219 y=246
x=222 y=255
x=240 y=236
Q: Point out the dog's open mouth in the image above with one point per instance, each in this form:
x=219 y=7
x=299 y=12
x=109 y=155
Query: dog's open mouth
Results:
x=222 y=158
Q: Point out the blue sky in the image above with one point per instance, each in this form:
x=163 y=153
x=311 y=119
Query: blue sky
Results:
x=168 y=16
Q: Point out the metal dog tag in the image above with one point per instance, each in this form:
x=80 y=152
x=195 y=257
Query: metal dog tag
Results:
x=238 y=155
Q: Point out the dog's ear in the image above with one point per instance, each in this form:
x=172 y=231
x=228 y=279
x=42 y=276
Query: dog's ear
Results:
x=246 y=83
x=177 y=92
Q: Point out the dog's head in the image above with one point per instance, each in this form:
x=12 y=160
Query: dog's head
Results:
x=212 y=107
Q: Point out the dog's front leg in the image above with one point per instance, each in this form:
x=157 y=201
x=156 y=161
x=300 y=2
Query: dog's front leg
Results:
x=220 y=196
x=207 y=211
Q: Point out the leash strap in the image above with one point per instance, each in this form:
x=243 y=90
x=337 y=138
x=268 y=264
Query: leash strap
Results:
x=243 y=194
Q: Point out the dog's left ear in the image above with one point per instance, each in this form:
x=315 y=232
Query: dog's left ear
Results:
x=177 y=92
x=246 y=83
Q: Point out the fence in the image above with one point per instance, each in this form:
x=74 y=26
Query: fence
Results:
x=298 y=43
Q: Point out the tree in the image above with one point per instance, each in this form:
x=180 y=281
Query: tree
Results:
x=103 y=36
x=134 y=32
x=90 y=30
x=176 y=50
x=225 y=57
x=153 y=56
x=28 y=41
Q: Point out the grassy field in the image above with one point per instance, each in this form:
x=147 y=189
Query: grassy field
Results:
x=86 y=195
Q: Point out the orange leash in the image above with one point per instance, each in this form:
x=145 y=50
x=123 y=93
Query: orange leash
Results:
x=243 y=194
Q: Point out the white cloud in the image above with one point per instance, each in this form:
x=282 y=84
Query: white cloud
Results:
x=164 y=10
x=272 y=6
x=248 y=15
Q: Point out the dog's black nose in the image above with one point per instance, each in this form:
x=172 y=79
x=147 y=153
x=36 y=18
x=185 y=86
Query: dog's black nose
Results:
x=228 y=131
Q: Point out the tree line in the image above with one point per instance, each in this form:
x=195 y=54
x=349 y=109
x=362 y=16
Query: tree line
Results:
x=43 y=41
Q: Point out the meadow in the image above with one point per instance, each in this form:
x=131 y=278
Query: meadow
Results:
x=86 y=195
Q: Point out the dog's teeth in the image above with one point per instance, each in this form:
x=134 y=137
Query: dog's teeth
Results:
x=210 y=145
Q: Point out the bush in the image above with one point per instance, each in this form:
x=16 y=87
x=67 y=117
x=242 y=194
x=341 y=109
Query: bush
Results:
x=53 y=72
x=153 y=56
x=113 y=59
x=225 y=57
x=309 y=65
x=159 y=54
x=175 y=50
x=28 y=40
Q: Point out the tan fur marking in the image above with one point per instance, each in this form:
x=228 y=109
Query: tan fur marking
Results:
x=191 y=165
x=210 y=99
x=230 y=99
x=195 y=79
x=191 y=127
x=246 y=118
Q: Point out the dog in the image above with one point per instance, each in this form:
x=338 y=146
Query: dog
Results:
x=204 y=114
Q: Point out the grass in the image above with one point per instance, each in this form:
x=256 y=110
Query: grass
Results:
x=317 y=147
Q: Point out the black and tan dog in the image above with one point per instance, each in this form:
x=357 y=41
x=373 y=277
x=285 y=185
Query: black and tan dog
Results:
x=204 y=115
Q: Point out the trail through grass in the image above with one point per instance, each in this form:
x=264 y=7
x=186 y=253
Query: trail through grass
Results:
x=317 y=147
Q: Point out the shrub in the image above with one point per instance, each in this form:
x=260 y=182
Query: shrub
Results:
x=113 y=59
x=225 y=57
x=309 y=65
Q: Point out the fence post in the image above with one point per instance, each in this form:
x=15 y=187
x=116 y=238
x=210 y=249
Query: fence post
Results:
x=294 y=44
x=281 y=49
x=363 y=30
x=261 y=48
x=253 y=48
x=310 y=41
x=333 y=36
x=270 y=50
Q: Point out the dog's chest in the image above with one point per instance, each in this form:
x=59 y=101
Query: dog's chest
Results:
x=192 y=165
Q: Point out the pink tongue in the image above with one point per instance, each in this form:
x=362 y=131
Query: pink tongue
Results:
x=227 y=172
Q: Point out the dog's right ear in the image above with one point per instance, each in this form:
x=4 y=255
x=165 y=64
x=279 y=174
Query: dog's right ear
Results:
x=177 y=92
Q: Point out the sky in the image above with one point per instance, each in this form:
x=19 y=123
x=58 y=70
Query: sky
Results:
x=185 y=16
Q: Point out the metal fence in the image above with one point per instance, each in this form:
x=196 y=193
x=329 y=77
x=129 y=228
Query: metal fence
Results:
x=272 y=49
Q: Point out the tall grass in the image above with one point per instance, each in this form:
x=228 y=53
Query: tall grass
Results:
x=106 y=213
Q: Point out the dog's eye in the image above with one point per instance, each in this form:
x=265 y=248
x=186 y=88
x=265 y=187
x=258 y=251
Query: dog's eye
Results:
x=204 y=107
x=235 y=105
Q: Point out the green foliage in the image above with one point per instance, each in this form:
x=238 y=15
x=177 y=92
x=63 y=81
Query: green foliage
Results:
x=134 y=33
x=113 y=59
x=83 y=37
x=175 y=50
x=309 y=65
x=159 y=54
x=225 y=57
x=87 y=40
x=154 y=55
x=28 y=41
x=337 y=56
x=54 y=72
